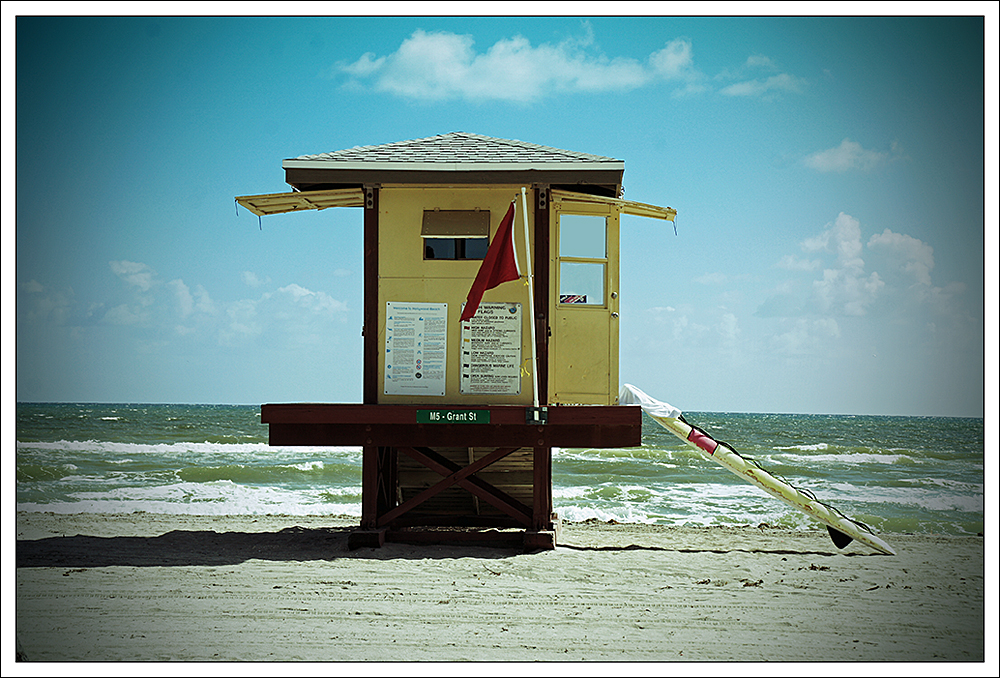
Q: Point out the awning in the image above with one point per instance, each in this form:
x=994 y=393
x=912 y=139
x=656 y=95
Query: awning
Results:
x=278 y=203
x=639 y=209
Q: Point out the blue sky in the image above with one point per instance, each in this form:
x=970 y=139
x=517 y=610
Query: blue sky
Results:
x=828 y=175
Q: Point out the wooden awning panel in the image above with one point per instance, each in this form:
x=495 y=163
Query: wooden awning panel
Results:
x=639 y=209
x=296 y=201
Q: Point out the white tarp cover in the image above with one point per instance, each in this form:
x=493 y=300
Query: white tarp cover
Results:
x=630 y=395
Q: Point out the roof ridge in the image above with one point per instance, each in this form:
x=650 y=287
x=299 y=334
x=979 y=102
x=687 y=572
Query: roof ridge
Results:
x=449 y=147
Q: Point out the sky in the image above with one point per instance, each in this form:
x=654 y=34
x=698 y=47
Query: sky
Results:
x=828 y=174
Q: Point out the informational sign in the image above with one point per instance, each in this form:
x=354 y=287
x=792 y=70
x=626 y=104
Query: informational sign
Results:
x=491 y=351
x=416 y=347
x=453 y=416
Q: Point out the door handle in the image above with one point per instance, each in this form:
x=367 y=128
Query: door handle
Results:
x=614 y=314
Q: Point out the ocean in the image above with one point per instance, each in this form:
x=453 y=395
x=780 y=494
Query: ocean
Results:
x=896 y=474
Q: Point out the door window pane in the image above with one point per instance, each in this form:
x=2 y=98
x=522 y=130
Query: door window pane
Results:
x=581 y=283
x=582 y=236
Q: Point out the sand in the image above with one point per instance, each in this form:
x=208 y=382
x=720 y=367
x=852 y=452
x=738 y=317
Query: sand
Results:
x=149 y=587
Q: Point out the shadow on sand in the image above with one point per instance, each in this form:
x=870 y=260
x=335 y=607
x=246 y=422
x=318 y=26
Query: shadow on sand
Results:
x=209 y=548
x=186 y=547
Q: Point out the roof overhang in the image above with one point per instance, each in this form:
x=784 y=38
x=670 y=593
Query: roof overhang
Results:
x=389 y=165
x=604 y=177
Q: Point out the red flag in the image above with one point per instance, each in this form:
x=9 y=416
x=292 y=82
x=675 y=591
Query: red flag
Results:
x=499 y=265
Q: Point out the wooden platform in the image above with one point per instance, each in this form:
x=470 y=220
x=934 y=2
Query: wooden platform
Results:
x=430 y=468
x=396 y=425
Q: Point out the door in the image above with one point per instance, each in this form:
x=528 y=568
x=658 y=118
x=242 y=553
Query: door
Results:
x=583 y=347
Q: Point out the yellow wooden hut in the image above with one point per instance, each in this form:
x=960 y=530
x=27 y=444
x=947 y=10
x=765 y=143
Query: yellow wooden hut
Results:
x=459 y=418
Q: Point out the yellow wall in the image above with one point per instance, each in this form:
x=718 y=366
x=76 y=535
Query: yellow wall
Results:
x=405 y=276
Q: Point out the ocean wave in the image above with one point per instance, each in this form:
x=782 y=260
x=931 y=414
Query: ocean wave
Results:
x=579 y=514
x=853 y=458
x=116 y=452
x=807 y=448
x=214 y=498
x=27 y=473
x=311 y=471
x=895 y=474
x=171 y=508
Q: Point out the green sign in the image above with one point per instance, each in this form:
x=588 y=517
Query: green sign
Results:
x=453 y=416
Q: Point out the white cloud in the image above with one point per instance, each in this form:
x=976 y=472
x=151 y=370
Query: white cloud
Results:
x=292 y=313
x=182 y=295
x=827 y=327
x=849 y=155
x=243 y=322
x=782 y=82
x=190 y=303
x=438 y=66
x=716 y=278
x=674 y=61
x=806 y=337
x=759 y=61
x=843 y=238
x=134 y=273
x=687 y=330
x=794 y=263
x=32 y=286
x=916 y=256
x=44 y=304
x=123 y=315
x=314 y=301
x=659 y=315
x=364 y=66
x=728 y=328
x=912 y=261
x=142 y=279
x=204 y=303
x=845 y=288
x=900 y=277
x=253 y=280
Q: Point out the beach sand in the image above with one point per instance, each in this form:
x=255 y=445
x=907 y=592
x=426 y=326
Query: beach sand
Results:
x=151 y=587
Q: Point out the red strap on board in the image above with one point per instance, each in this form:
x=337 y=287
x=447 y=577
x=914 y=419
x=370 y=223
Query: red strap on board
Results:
x=703 y=441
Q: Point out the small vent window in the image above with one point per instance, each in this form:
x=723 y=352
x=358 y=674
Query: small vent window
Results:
x=455 y=234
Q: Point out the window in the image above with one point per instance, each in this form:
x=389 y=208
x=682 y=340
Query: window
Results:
x=455 y=234
x=583 y=259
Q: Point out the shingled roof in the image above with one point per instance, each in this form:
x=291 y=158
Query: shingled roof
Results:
x=460 y=148
x=456 y=157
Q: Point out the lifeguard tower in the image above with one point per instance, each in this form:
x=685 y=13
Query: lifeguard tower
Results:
x=459 y=418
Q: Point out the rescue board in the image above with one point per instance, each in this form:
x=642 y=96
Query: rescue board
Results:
x=842 y=529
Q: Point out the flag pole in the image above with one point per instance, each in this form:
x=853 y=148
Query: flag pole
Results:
x=530 y=272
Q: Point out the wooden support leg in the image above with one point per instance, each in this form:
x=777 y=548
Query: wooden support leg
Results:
x=377 y=486
x=542 y=510
x=362 y=538
x=542 y=534
x=369 y=486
